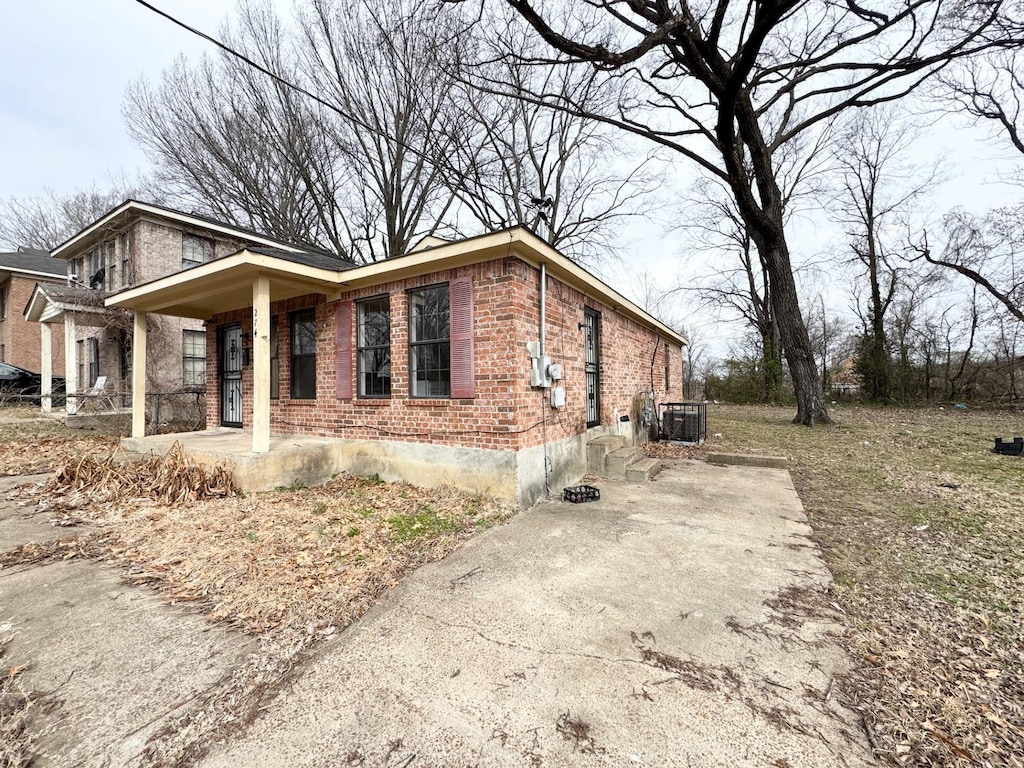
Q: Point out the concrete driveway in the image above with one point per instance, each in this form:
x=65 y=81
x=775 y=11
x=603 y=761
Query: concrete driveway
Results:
x=677 y=623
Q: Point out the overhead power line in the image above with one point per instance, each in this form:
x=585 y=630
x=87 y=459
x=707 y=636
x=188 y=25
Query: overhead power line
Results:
x=269 y=73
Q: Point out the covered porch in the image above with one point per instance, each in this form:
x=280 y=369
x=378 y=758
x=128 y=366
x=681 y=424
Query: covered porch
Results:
x=71 y=307
x=251 y=278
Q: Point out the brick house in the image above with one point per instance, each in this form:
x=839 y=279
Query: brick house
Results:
x=20 y=340
x=488 y=363
x=134 y=243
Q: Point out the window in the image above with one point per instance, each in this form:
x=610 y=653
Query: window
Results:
x=126 y=261
x=195 y=250
x=88 y=363
x=303 y=326
x=3 y=301
x=429 y=344
x=193 y=355
x=668 y=385
x=275 y=363
x=373 y=347
x=95 y=272
x=109 y=264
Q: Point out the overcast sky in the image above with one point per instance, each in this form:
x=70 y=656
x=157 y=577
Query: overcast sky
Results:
x=64 y=67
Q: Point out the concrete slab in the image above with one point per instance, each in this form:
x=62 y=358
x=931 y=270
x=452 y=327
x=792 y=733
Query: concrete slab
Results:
x=20 y=523
x=747 y=460
x=111 y=665
x=629 y=631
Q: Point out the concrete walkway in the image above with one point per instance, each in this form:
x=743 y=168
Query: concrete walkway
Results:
x=676 y=623
x=110 y=665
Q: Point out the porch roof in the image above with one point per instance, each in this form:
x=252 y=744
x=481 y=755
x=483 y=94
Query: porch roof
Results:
x=49 y=302
x=226 y=283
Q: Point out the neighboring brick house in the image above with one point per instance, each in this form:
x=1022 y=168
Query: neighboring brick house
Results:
x=20 y=340
x=134 y=243
x=429 y=367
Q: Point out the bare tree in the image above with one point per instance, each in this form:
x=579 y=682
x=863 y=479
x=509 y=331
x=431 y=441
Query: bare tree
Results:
x=47 y=220
x=567 y=177
x=988 y=250
x=879 y=191
x=728 y=84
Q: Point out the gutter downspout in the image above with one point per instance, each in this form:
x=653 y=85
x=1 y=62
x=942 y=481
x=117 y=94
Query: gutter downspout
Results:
x=543 y=403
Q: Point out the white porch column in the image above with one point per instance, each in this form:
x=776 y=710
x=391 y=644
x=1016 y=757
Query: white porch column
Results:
x=46 y=365
x=139 y=376
x=261 y=364
x=70 y=365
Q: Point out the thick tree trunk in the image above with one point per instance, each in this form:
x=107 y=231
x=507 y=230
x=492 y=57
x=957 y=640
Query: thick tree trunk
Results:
x=760 y=203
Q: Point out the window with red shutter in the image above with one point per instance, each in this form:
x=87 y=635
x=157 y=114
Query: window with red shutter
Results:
x=463 y=376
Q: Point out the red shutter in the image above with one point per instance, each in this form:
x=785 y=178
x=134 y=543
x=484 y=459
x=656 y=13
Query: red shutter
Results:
x=343 y=349
x=460 y=303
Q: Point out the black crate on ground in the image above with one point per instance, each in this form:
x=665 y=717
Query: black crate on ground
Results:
x=580 y=493
x=1014 y=448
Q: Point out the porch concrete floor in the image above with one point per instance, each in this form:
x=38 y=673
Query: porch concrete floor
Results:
x=291 y=459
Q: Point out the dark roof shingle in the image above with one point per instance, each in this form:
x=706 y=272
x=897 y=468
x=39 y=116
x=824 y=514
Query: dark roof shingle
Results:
x=33 y=262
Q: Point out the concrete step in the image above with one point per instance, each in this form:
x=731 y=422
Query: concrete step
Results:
x=616 y=462
x=598 y=450
x=643 y=470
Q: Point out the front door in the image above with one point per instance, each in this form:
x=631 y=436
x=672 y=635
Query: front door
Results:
x=592 y=358
x=231 y=376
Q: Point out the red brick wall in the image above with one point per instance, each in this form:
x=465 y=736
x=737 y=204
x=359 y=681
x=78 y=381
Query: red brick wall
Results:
x=20 y=338
x=506 y=412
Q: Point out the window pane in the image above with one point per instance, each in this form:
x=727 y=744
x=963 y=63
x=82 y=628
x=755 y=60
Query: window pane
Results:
x=303 y=369
x=373 y=345
x=303 y=333
x=304 y=378
x=275 y=366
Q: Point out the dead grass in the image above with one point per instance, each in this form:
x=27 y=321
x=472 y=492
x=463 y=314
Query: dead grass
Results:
x=302 y=560
x=15 y=703
x=922 y=526
x=29 y=445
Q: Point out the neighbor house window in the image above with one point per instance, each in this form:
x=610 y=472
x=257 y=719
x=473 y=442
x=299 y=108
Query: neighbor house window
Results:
x=275 y=363
x=3 y=301
x=126 y=261
x=303 y=326
x=195 y=250
x=429 y=343
x=88 y=362
x=109 y=264
x=373 y=347
x=667 y=383
x=193 y=355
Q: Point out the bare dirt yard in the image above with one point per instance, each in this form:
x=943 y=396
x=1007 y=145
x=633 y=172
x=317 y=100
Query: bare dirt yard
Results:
x=922 y=526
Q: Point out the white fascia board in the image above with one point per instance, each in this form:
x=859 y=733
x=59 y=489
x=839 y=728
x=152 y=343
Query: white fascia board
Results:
x=163 y=213
x=243 y=258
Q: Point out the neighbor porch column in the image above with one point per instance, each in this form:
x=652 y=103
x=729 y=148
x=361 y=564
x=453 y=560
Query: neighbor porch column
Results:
x=70 y=365
x=46 y=365
x=261 y=364
x=139 y=376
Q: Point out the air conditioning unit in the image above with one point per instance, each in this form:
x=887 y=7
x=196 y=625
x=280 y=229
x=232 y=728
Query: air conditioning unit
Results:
x=684 y=422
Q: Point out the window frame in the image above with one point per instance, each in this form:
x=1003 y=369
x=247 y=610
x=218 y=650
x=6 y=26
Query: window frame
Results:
x=439 y=342
x=189 y=238
x=362 y=347
x=275 y=358
x=295 y=382
x=196 y=360
x=88 y=351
